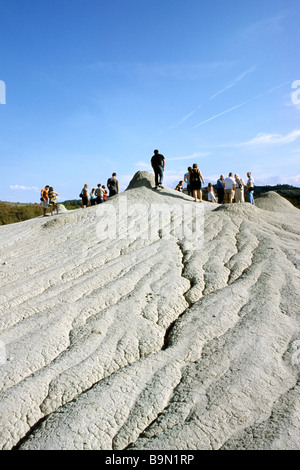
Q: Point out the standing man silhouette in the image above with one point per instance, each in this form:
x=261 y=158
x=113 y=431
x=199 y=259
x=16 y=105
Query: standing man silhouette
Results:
x=158 y=164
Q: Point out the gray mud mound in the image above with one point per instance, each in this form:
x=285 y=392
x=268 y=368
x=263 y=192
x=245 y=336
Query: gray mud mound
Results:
x=273 y=202
x=150 y=341
x=142 y=178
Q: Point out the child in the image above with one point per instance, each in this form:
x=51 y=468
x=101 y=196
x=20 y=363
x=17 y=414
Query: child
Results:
x=179 y=187
x=210 y=193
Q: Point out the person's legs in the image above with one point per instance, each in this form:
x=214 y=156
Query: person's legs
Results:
x=45 y=206
x=251 y=198
x=156 y=174
x=226 y=198
x=220 y=195
x=161 y=174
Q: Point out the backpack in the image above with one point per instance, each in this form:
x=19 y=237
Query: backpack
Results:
x=195 y=177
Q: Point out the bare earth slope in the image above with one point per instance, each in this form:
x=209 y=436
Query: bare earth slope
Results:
x=138 y=340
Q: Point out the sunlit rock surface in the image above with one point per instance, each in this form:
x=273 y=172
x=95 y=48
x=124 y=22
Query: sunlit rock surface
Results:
x=118 y=333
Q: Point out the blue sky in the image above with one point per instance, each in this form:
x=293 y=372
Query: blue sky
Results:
x=94 y=86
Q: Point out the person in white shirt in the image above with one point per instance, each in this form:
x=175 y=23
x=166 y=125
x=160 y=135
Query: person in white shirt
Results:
x=250 y=188
x=239 y=190
x=229 y=188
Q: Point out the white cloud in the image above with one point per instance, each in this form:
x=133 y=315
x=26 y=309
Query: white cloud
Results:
x=234 y=82
x=192 y=157
x=241 y=104
x=272 y=139
x=23 y=188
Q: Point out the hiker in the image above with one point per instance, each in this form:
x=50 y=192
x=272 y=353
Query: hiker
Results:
x=52 y=200
x=93 y=197
x=44 y=199
x=239 y=190
x=179 y=187
x=158 y=164
x=85 y=196
x=113 y=185
x=220 y=189
x=99 y=194
x=195 y=179
x=250 y=188
x=186 y=180
x=211 y=197
x=229 y=188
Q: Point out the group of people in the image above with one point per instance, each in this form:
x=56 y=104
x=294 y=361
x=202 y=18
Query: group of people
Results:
x=48 y=199
x=233 y=188
x=99 y=195
x=229 y=189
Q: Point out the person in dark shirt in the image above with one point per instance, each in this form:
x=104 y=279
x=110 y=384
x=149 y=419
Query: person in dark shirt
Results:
x=113 y=185
x=158 y=165
x=220 y=189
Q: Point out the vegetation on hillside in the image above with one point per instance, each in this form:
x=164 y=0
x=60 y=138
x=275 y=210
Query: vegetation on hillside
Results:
x=12 y=213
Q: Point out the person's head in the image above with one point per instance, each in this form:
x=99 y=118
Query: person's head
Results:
x=209 y=185
x=222 y=178
x=249 y=174
x=114 y=175
x=103 y=187
x=50 y=189
x=99 y=185
x=156 y=152
x=195 y=166
x=230 y=175
x=86 y=185
x=180 y=183
x=47 y=187
x=189 y=168
x=93 y=190
x=236 y=176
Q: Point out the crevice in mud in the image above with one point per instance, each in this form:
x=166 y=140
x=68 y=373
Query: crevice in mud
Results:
x=171 y=326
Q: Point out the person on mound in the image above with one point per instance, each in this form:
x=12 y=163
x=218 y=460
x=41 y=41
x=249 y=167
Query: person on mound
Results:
x=250 y=188
x=113 y=185
x=85 y=196
x=158 y=164
x=179 y=187
x=44 y=199
x=196 y=180
x=230 y=186
x=211 y=197
x=52 y=200
x=239 y=190
x=220 y=189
